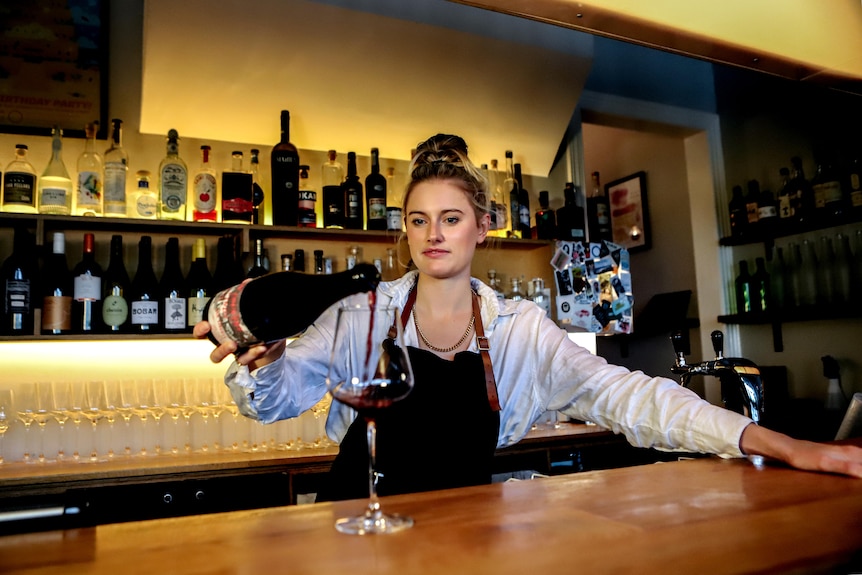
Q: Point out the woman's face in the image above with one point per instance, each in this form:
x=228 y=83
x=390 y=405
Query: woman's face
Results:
x=442 y=231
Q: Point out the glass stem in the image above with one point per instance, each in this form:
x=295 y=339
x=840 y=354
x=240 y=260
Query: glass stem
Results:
x=373 y=503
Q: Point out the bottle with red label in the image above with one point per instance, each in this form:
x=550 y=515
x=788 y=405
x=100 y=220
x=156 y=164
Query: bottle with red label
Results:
x=237 y=190
x=205 y=189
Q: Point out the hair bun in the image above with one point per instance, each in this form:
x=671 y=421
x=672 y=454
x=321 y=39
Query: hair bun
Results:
x=446 y=148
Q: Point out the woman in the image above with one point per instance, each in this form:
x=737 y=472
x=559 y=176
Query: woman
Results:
x=445 y=432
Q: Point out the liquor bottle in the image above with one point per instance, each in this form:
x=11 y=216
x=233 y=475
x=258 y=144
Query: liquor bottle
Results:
x=375 y=194
x=743 y=289
x=752 y=203
x=145 y=291
x=318 y=262
x=145 y=201
x=391 y=270
x=539 y=297
x=258 y=268
x=492 y=202
x=19 y=184
x=286 y=262
x=786 y=205
x=306 y=216
x=523 y=205
x=228 y=271
x=19 y=285
x=257 y=195
x=200 y=283
x=116 y=168
x=854 y=185
x=299 y=260
x=205 y=190
x=546 y=219
x=56 y=289
x=738 y=213
x=236 y=192
x=494 y=283
x=354 y=216
x=257 y=311
x=515 y=292
x=767 y=214
x=89 y=200
x=173 y=181
x=802 y=193
x=333 y=195
x=829 y=201
x=598 y=213
x=495 y=187
x=760 y=292
x=570 y=218
x=116 y=290
x=55 y=186
x=510 y=185
x=394 y=200
x=285 y=177
x=87 y=290
x=173 y=290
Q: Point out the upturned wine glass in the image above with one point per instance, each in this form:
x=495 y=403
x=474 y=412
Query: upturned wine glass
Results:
x=369 y=370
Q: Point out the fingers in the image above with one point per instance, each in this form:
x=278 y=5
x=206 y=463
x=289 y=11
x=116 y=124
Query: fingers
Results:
x=222 y=351
x=201 y=329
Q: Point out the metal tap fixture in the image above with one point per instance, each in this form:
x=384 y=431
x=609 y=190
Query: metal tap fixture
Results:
x=741 y=384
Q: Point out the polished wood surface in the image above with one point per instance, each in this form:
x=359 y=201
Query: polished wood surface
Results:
x=698 y=516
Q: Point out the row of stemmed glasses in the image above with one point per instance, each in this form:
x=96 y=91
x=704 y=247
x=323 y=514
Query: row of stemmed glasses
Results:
x=5 y=414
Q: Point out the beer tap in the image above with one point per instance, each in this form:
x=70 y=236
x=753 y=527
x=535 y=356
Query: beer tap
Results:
x=741 y=384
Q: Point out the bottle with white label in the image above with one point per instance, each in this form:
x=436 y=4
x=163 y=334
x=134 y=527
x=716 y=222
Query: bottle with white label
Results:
x=173 y=291
x=89 y=200
x=205 y=189
x=87 y=290
x=173 y=181
x=145 y=201
x=19 y=184
x=116 y=169
x=145 y=287
x=55 y=186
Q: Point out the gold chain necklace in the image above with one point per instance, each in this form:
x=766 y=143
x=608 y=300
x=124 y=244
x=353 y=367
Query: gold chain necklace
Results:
x=447 y=349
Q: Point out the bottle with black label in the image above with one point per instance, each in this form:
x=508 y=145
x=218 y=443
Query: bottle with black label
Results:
x=19 y=285
x=116 y=290
x=87 y=290
x=145 y=291
x=19 y=184
x=375 y=194
x=285 y=176
x=236 y=192
x=200 y=283
x=307 y=207
x=333 y=196
x=354 y=218
x=570 y=218
x=56 y=285
x=172 y=287
x=599 y=213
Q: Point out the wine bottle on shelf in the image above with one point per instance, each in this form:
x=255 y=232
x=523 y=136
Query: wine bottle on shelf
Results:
x=829 y=202
x=205 y=186
x=743 y=289
x=307 y=207
x=200 y=283
x=598 y=213
x=752 y=203
x=87 y=290
x=333 y=195
x=523 y=205
x=257 y=195
x=173 y=181
x=19 y=184
x=299 y=260
x=116 y=169
x=145 y=201
x=492 y=201
x=778 y=273
x=825 y=271
x=56 y=284
x=510 y=185
x=761 y=288
x=285 y=176
x=802 y=194
x=767 y=214
x=807 y=269
x=145 y=291
x=843 y=273
x=228 y=271
x=236 y=192
x=173 y=290
x=354 y=217
x=786 y=205
x=738 y=213
x=258 y=268
x=55 y=185
x=19 y=285
x=318 y=262
x=394 y=211
x=546 y=220
x=854 y=185
x=495 y=185
x=375 y=194
x=89 y=200
x=257 y=311
x=570 y=218
x=116 y=290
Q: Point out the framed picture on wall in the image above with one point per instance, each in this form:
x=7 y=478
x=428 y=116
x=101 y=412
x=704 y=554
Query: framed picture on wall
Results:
x=54 y=66
x=629 y=212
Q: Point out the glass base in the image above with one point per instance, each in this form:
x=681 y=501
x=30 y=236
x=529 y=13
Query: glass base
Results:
x=373 y=523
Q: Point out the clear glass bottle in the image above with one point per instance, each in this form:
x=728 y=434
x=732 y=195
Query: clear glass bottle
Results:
x=116 y=169
x=205 y=189
x=89 y=198
x=333 y=196
x=539 y=297
x=55 y=186
x=516 y=293
x=778 y=279
x=19 y=184
x=495 y=186
x=494 y=283
x=173 y=181
x=391 y=270
x=145 y=200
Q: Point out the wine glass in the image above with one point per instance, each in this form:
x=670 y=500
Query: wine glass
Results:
x=5 y=408
x=95 y=409
x=25 y=403
x=369 y=370
x=42 y=414
x=60 y=395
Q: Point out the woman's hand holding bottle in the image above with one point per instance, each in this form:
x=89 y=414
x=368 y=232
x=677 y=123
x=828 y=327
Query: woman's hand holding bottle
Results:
x=254 y=356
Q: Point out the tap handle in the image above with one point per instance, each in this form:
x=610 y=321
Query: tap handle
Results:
x=680 y=346
x=718 y=343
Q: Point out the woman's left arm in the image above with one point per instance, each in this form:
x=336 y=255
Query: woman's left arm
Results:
x=807 y=455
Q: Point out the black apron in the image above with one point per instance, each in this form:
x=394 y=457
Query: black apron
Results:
x=442 y=435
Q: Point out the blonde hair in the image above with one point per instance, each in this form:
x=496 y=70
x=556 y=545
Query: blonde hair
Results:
x=444 y=157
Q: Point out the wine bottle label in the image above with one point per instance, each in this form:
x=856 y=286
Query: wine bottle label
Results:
x=115 y=186
x=376 y=208
x=87 y=288
x=173 y=187
x=196 y=310
x=856 y=198
x=175 y=313
x=115 y=311
x=393 y=219
x=53 y=197
x=57 y=313
x=145 y=312
x=603 y=214
x=89 y=189
x=18 y=188
x=17 y=296
x=765 y=212
x=205 y=192
x=827 y=193
x=225 y=319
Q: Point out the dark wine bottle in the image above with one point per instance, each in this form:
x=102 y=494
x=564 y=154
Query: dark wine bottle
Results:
x=306 y=216
x=523 y=205
x=570 y=218
x=353 y=210
x=145 y=288
x=258 y=267
x=19 y=283
x=172 y=288
x=599 y=213
x=738 y=213
x=510 y=185
x=257 y=194
x=116 y=290
x=237 y=191
x=743 y=289
x=200 y=283
x=546 y=219
x=333 y=194
x=228 y=271
x=57 y=290
x=87 y=290
x=285 y=177
x=258 y=311
x=375 y=194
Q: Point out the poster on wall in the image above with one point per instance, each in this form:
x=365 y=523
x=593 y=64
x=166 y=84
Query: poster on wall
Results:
x=53 y=66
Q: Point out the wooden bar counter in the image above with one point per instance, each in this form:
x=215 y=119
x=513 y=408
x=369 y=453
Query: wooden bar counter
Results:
x=698 y=516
